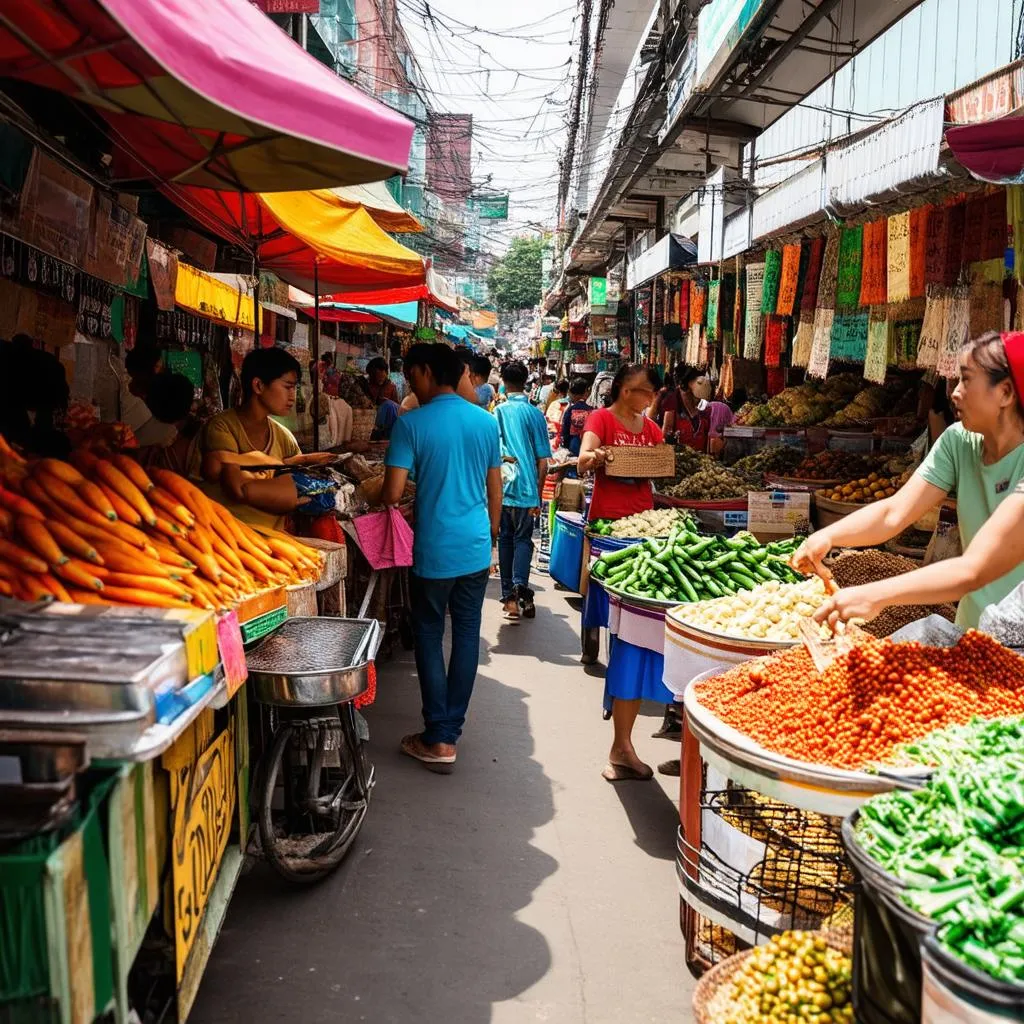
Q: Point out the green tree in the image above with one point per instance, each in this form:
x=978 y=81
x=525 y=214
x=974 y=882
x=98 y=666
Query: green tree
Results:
x=514 y=282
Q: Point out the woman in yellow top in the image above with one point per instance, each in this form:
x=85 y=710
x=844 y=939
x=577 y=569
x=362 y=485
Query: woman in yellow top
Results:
x=247 y=436
x=981 y=458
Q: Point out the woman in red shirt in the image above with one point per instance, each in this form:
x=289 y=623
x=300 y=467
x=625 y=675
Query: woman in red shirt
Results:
x=622 y=423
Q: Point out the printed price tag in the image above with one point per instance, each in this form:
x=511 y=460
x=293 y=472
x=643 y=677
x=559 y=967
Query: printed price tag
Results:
x=735 y=519
x=777 y=511
x=232 y=651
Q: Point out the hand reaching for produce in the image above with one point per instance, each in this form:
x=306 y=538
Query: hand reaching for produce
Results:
x=848 y=604
x=809 y=557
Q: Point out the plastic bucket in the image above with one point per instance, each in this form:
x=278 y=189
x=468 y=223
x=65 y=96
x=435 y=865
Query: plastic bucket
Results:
x=953 y=992
x=567 y=550
x=887 y=937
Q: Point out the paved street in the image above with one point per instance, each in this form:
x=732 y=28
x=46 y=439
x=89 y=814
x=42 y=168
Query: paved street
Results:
x=521 y=888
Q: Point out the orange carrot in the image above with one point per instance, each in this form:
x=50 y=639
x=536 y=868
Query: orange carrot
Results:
x=16 y=503
x=55 y=587
x=6 y=520
x=94 y=497
x=207 y=563
x=20 y=558
x=81 y=574
x=62 y=471
x=146 y=598
x=165 y=501
x=72 y=542
x=137 y=564
x=40 y=540
x=34 y=587
x=85 y=596
x=6 y=588
x=61 y=494
x=155 y=583
x=167 y=528
x=133 y=471
x=109 y=474
x=124 y=511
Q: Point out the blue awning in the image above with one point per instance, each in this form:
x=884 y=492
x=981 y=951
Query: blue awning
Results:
x=401 y=314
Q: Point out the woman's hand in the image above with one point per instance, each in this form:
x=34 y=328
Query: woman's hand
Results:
x=600 y=456
x=850 y=603
x=809 y=556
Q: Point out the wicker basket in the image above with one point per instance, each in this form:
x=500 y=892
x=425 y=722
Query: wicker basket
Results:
x=641 y=461
x=827 y=511
x=721 y=974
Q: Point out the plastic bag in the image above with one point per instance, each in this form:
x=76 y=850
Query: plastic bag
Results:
x=1005 y=621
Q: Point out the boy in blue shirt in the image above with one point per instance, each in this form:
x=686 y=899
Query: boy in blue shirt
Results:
x=451 y=446
x=526 y=449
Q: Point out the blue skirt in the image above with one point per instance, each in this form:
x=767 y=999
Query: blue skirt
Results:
x=595 y=606
x=635 y=673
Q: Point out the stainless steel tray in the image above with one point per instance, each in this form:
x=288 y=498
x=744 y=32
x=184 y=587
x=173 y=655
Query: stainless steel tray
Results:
x=314 y=661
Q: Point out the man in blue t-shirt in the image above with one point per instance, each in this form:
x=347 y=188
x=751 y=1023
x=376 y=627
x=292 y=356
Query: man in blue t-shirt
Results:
x=451 y=447
x=525 y=447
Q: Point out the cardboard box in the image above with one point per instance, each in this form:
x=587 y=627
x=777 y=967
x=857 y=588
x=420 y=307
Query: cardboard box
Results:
x=775 y=514
x=569 y=496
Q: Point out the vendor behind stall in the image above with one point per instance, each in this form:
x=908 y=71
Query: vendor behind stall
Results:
x=622 y=423
x=170 y=398
x=34 y=398
x=981 y=458
x=377 y=384
x=248 y=436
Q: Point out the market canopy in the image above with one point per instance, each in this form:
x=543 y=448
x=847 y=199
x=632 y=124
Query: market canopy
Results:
x=207 y=93
x=399 y=314
x=381 y=205
x=290 y=231
x=992 y=151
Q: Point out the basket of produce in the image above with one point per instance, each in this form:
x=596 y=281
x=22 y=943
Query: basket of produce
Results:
x=686 y=567
x=640 y=461
x=797 y=976
x=657 y=522
x=833 y=505
x=710 y=483
x=836 y=467
x=944 y=863
x=777 y=459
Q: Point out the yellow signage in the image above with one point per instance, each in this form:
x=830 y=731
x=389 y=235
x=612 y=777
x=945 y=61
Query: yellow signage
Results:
x=203 y=797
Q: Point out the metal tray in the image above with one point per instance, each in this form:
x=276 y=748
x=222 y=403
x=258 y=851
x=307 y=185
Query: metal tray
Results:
x=314 y=661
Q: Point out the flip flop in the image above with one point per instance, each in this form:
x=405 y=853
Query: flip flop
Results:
x=669 y=768
x=412 y=746
x=626 y=773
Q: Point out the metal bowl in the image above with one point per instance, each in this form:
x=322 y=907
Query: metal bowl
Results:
x=314 y=661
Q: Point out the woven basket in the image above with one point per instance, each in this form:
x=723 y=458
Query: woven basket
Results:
x=827 y=511
x=721 y=974
x=641 y=461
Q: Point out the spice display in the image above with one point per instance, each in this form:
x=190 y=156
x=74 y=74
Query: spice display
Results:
x=866 y=490
x=835 y=465
x=686 y=567
x=957 y=845
x=690 y=461
x=869 y=700
x=106 y=532
x=780 y=458
x=796 y=976
x=656 y=522
x=713 y=483
x=771 y=611
x=803 y=405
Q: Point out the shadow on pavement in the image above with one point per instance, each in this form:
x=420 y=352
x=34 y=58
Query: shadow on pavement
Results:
x=419 y=924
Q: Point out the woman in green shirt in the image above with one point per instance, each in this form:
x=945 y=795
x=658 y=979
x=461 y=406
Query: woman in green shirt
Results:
x=981 y=459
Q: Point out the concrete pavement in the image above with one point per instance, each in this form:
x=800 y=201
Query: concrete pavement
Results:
x=521 y=888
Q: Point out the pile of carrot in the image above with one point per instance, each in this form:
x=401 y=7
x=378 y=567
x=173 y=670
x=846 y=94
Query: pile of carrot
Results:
x=867 y=702
x=103 y=531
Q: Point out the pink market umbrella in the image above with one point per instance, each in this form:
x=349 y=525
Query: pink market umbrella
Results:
x=204 y=92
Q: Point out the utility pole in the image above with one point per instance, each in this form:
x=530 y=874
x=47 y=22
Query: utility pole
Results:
x=577 y=104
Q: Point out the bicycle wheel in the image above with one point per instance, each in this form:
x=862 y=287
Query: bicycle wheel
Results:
x=318 y=768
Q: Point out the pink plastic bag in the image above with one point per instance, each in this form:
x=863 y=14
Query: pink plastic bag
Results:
x=385 y=539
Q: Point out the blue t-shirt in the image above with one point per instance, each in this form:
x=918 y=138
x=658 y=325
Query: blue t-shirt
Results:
x=449 y=444
x=484 y=394
x=524 y=434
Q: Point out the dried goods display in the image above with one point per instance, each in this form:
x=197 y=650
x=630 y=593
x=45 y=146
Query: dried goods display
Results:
x=655 y=522
x=869 y=404
x=780 y=459
x=836 y=465
x=856 y=568
x=771 y=611
x=803 y=405
x=957 y=847
x=103 y=531
x=715 y=483
x=795 y=977
x=686 y=567
x=869 y=700
x=690 y=461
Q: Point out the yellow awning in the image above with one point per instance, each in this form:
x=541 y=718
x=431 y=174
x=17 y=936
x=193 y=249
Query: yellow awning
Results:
x=216 y=300
x=483 y=319
x=380 y=205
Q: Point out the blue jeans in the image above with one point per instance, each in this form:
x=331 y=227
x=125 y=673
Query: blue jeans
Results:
x=446 y=691
x=515 y=549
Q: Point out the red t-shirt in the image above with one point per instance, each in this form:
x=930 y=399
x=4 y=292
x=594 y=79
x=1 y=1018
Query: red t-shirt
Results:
x=615 y=497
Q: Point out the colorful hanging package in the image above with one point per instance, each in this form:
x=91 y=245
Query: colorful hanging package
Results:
x=933 y=329
x=958 y=315
x=876 y=362
x=772 y=278
x=812 y=278
x=775 y=381
x=851 y=254
x=753 y=328
x=789 y=279
x=873 y=264
x=774 y=338
x=698 y=303
x=993 y=238
x=817 y=366
x=849 y=342
x=684 y=305
x=918 y=240
x=714 y=292
x=898 y=272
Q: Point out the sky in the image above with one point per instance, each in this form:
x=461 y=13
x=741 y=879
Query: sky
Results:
x=507 y=64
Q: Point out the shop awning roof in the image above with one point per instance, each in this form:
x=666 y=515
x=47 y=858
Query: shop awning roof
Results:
x=289 y=230
x=381 y=205
x=364 y=297
x=401 y=314
x=207 y=93
x=212 y=298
